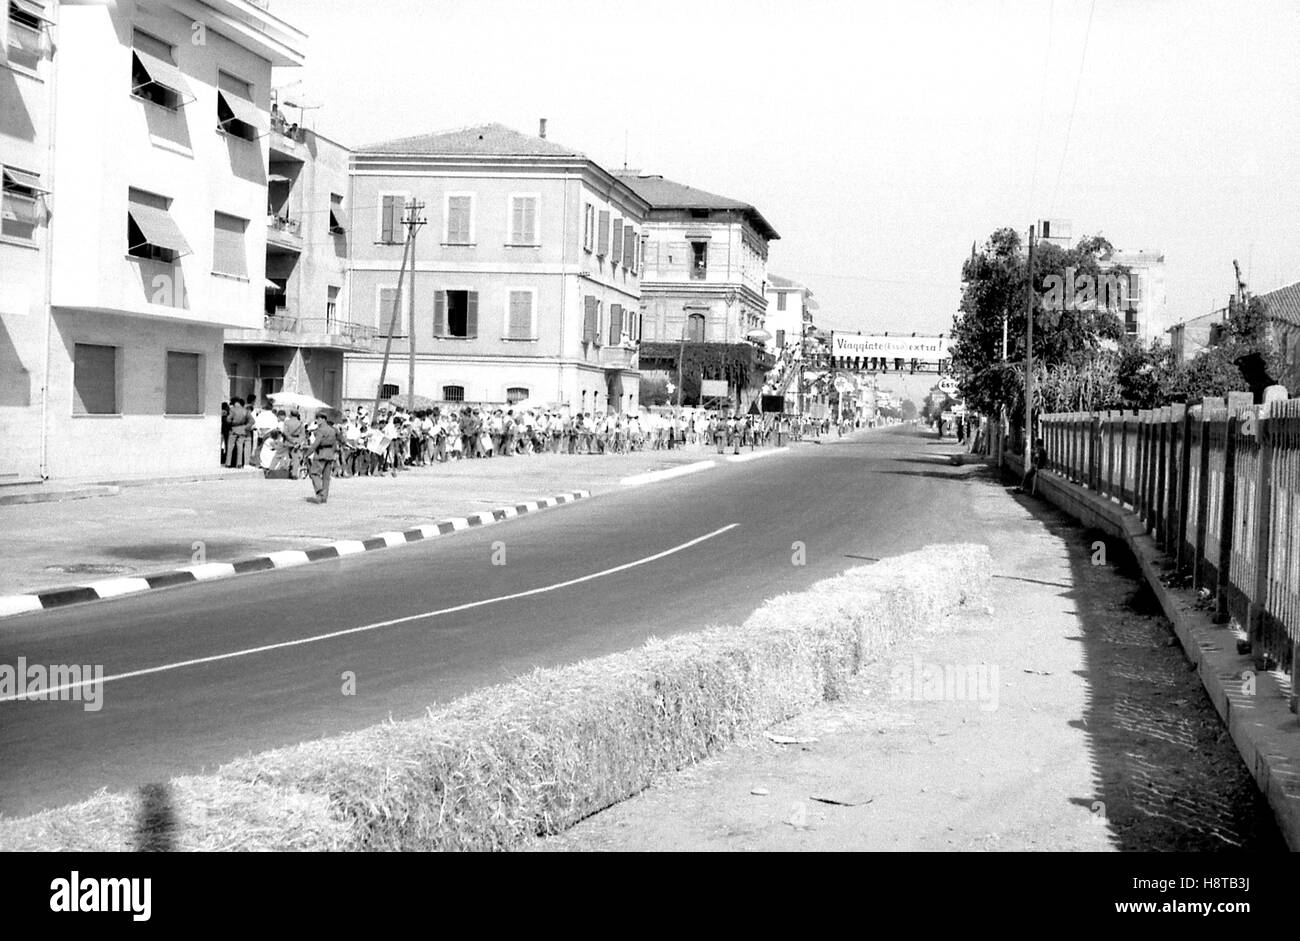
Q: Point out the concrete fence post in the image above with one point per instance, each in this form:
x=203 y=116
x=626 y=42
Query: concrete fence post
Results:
x=1183 y=415
x=1237 y=401
x=1202 y=497
x=1263 y=529
x=1123 y=455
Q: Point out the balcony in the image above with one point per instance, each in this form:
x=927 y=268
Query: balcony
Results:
x=286 y=329
x=618 y=357
x=288 y=141
x=284 y=233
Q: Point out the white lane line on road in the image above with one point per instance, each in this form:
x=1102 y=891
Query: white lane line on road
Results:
x=47 y=691
x=653 y=476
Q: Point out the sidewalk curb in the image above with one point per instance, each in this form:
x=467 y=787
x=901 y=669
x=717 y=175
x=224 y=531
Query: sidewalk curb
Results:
x=11 y=605
x=1262 y=726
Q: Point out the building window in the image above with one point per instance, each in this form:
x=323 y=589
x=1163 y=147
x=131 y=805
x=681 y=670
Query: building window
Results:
x=236 y=113
x=390 y=318
x=780 y=300
x=26 y=44
x=519 y=315
x=615 y=324
x=388 y=390
x=338 y=218
x=616 y=250
x=699 y=260
x=695 y=328
x=331 y=305
x=629 y=248
x=780 y=339
x=602 y=235
x=591 y=319
x=589 y=227
x=699 y=213
x=151 y=231
x=184 y=384
x=460 y=219
x=523 y=220
x=94 y=380
x=391 y=231
x=516 y=394
x=154 y=76
x=455 y=314
x=229 y=255
x=20 y=211
x=453 y=393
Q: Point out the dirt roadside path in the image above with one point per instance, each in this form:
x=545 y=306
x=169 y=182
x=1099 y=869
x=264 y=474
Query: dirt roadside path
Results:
x=1078 y=727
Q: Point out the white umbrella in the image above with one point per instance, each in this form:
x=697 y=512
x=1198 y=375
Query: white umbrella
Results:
x=296 y=400
x=758 y=336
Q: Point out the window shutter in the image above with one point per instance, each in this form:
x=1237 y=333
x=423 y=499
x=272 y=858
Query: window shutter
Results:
x=600 y=320
x=471 y=314
x=615 y=324
x=94 y=380
x=386 y=233
x=617 y=249
x=386 y=298
x=229 y=255
x=517 y=220
x=529 y=214
x=640 y=325
x=439 y=313
x=602 y=237
x=182 y=394
x=629 y=247
x=521 y=315
x=589 y=323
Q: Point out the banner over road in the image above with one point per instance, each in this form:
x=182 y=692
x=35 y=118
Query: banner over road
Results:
x=925 y=349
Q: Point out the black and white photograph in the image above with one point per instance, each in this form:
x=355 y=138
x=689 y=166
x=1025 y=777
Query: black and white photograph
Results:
x=865 y=430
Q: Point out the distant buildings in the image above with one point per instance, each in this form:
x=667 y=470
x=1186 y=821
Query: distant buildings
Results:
x=134 y=192
x=790 y=306
x=528 y=271
x=705 y=278
x=1281 y=306
x=1146 y=315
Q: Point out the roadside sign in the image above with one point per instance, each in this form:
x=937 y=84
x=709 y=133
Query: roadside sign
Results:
x=714 y=388
x=948 y=385
x=842 y=384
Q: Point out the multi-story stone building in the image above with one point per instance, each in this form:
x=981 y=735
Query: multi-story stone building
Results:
x=152 y=241
x=704 y=285
x=527 y=272
x=1146 y=313
x=299 y=346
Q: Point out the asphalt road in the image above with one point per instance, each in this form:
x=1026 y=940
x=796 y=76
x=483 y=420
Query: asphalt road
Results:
x=598 y=576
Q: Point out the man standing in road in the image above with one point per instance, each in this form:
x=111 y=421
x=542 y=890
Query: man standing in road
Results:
x=322 y=449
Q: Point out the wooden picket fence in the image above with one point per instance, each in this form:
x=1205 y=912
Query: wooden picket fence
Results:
x=1217 y=485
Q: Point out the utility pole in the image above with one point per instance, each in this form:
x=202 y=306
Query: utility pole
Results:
x=392 y=328
x=1029 y=357
x=414 y=221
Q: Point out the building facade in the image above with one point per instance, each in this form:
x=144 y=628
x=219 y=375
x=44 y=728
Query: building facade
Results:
x=526 y=273
x=151 y=255
x=306 y=330
x=1146 y=313
x=704 y=281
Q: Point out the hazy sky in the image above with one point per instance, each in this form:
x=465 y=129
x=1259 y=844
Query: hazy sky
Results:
x=879 y=139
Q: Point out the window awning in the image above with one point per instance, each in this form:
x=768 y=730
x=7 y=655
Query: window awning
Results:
x=33 y=9
x=157 y=227
x=16 y=208
x=164 y=74
x=242 y=109
x=338 y=218
x=277 y=178
x=25 y=179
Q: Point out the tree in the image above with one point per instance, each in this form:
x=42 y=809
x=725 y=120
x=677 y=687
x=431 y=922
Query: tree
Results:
x=996 y=286
x=908 y=410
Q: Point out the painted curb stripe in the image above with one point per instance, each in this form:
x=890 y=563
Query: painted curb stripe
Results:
x=287 y=558
x=112 y=587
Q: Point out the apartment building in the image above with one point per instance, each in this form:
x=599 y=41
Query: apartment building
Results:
x=306 y=329
x=705 y=281
x=790 y=306
x=153 y=242
x=526 y=272
x=27 y=35
x=1146 y=311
